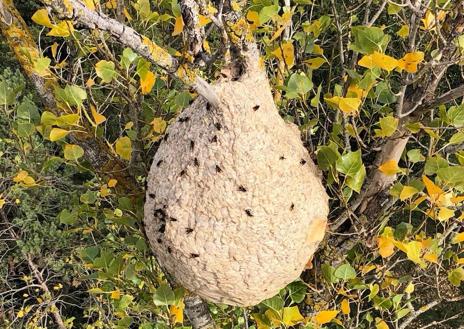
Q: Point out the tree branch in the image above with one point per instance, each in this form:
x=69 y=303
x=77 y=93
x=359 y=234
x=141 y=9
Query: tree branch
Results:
x=132 y=39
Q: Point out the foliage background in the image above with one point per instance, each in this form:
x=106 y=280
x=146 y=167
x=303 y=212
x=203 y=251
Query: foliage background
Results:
x=71 y=241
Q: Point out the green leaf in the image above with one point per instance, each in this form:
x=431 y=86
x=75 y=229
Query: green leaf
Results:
x=457 y=138
x=105 y=70
x=124 y=147
x=456 y=276
x=41 y=65
x=393 y=9
x=315 y=100
x=164 y=295
x=128 y=56
x=327 y=157
x=369 y=39
x=57 y=134
x=355 y=182
x=124 y=302
x=27 y=112
x=7 y=94
x=415 y=156
x=384 y=94
x=268 y=12
x=328 y=272
x=297 y=291
x=143 y=8
x=48 y=118
x=89 y=197
x=68 y=120
x=433 y=164
x=455 y=115
x=387 y=125
x=350 y=163
x=73 y=152
x=71 y=94
x=452 y=176
x=275 y=303
x=298 y=85
x=67 y=217
x=345 y=272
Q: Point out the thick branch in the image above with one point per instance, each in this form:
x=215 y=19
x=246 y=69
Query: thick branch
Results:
x=132 y=39
x=445 y=98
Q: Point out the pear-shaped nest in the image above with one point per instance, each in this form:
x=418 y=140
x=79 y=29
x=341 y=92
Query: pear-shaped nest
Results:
x=235 y=208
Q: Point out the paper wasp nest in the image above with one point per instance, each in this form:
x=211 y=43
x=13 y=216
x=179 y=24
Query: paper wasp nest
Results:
x=235 y=208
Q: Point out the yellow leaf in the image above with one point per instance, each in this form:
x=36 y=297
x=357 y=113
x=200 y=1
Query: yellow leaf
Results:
x=403 y=32
x=285 y=53
x=389 y=168
x=458 y=238
x=62 y=29
x=324 y=317
x=317 y=50
x=410 y=61
x=457 y=199
x=159 y=125
x=430 y=20
x=147 y=82
x=178 y=26
x=380 y=324
x=348 y=105
x=355 y=91
x=260 y=324
x=124 y=147
x=97 y=117
x=386 y=246
x=104 y=191
x=413 y=251
x=274 y=316
x=253 y=19
x=41 y=17
x=111 y=4
x=378 y=60
x=292 y=316
x=203 y=20
x=112 y=182
x=345 y=306
x=21 y=313
x=445 y=213
x=433 y=190
x=206 y=46
x=177 y=313
x=116 y=294
x=367 y=268
x=315 y=63
x=29 y=181
x=20 y=176
x=407 y=192
x=431 y=257
x=57 y=134
x=409 y=288
x=2 y=202
x=54 y=49
x=126 y=14
x=283 y=22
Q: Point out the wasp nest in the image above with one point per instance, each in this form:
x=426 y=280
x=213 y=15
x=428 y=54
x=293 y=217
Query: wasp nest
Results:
x=235 y=207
